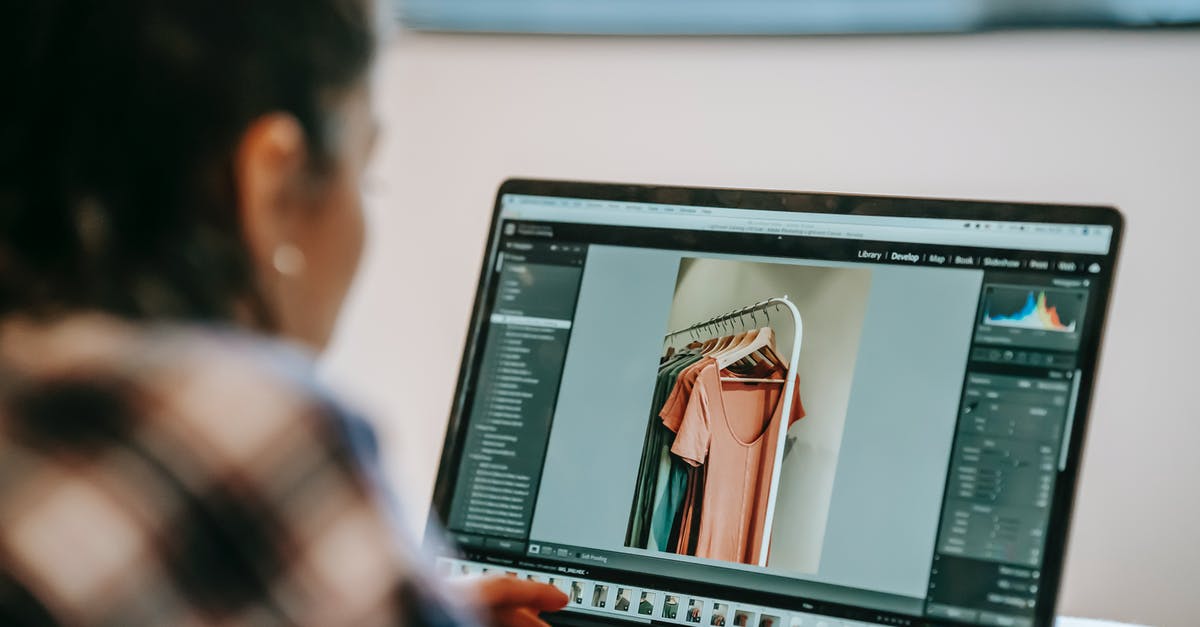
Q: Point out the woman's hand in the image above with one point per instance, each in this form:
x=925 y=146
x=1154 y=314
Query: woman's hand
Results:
x=512 y=602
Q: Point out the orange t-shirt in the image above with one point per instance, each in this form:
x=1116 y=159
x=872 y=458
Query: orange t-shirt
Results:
x=672 y=411
x=672 y=414
x=732 y=429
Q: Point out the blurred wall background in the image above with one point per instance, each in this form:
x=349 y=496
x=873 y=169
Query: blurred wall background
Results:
x=1089 y=117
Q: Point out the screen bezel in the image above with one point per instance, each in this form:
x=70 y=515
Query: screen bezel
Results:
x=824 y=203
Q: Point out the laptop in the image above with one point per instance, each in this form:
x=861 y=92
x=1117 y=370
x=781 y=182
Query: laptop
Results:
x=737 y=408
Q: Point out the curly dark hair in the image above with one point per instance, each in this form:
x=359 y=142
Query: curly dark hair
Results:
x=118 y=129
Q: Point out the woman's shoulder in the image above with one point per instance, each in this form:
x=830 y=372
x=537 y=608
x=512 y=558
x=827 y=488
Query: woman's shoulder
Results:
x=213 y=400
x=191 y=368
x=203 y=463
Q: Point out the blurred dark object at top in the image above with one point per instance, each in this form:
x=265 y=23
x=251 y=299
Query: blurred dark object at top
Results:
x=786 y=17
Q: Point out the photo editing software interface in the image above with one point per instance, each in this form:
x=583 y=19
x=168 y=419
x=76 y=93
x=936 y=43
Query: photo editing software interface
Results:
x=685 y=414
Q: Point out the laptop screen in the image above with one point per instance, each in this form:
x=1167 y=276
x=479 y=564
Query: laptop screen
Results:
x=773 y=409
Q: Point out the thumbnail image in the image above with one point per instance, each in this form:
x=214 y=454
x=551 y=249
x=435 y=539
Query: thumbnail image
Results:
x=695 y=610
x=670 y=607
x=743 y=618
x=720 y=610
x=730 y=335
x=576 y=593
x=600 y=596
x=768 y=621
x=646 y=604
x=624 y=600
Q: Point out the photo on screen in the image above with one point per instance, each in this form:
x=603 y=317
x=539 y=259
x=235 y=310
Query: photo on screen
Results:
x=646 y=604
x=709 y=484
x=743 y=618
x=670 y=607
x=600 y=596
x=720 y=610
x=624 y=600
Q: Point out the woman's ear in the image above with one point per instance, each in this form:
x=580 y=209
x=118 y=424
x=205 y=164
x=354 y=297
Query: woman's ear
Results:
x=269 y=167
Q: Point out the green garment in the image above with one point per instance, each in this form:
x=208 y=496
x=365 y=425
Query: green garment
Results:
x=672 y=486
x=647 y=489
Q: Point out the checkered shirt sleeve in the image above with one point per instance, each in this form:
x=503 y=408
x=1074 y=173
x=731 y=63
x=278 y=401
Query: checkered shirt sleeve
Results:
x=196 y=483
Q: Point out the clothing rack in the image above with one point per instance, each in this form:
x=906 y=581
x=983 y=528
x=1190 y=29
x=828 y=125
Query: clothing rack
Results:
x=721 y=324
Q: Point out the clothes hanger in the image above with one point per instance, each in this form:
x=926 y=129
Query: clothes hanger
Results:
x=763 y=344
x=738 y=340
x=772 y=355
x=780 y=362
x=728 y=338
x=760 y=345
x=723 y=341
x=733 y=342
x=760 y=340
x=714 y=343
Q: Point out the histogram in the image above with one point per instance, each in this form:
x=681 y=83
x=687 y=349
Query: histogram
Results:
x=1036 y=313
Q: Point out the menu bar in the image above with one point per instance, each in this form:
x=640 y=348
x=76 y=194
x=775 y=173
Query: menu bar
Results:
x=1058 y=264
x=1070 y=238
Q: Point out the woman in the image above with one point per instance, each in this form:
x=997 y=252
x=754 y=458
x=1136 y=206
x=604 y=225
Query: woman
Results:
x=179 y=223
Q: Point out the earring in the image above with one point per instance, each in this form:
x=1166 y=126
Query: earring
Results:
x=288 y=260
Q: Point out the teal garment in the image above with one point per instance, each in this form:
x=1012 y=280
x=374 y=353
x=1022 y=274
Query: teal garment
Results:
x=663 y=520
x=674 y=488
x=648 y=467
x=646 y=488
x=635 y=534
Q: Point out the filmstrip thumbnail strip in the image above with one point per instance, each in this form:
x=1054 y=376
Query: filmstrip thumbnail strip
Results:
x=644 y=604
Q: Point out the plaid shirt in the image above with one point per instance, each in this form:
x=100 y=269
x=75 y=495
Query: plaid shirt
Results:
x=183 y=476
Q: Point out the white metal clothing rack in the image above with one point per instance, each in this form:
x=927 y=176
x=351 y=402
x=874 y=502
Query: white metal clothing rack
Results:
x=724 y=322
